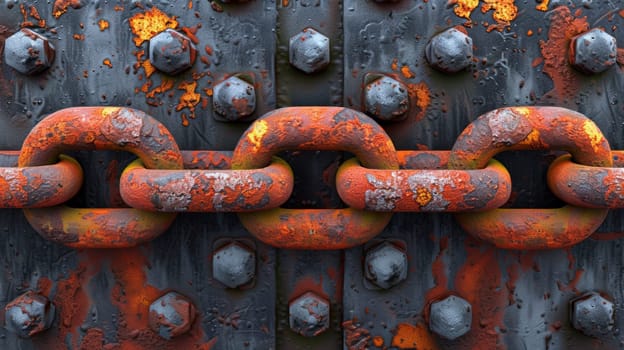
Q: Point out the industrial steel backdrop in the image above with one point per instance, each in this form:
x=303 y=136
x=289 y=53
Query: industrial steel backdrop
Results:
x=311 y=174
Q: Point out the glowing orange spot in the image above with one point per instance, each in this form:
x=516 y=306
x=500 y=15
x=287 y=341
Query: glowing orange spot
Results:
x=463 y=8
x=149 y=23
x=78 y=36
x=285 y=3
x=407 y=72
x=103 y=24
x=378 y=341
x=504 y=10
x=529 y=32
x=190 y=4
x=60 y=6
x=543 y=6
x=423 y=196
x=189 y=98
x=208 y=91
x=107 y=62
x=413 y=337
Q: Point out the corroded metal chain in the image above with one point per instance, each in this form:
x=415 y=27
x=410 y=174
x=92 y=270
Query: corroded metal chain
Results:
x=252 y=181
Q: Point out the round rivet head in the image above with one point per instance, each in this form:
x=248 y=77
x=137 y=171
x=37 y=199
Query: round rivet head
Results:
x=171 y=52
x=385 y=265
x=29 y=314
x=28 y=52
x=450 y=317
x=386 y=99
x=171 y=315
x=234 y=98
x=449 y=51
x=309 y=315
x=592 y=314
x=309 y=51
x=593 y=51
x=234 y=265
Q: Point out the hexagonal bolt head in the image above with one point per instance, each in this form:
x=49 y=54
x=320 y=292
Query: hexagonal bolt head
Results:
x=386 y=99
x=449 y=51
x=385 y=265
x=29 y=314
x=309 y=51
x=171 y=52
x=309 y=315
x=28 y=52
x=234 y=265
x=171 y=315
x=451 y=317
x=234 y=98
x=592 y=314
x=593 y=51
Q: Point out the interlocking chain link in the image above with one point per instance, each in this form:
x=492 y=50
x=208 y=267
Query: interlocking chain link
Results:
x=252 y=181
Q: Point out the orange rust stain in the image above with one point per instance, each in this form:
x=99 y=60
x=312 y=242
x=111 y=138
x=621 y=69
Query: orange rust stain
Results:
x=407 y=73
x=463 y=8
x=103 y=24
x=118 y=8
x=165 y=85
x=208 y=91
x=543 y=6
x=537 y=61
x=421 y=92
x=571 y=286
x=149 y=23
x=191 y=32
x=34 y=13
x=378 y=341
x=563 y=27
x=60 y=6
x=148 y=68
x=621 y=13
x=620 y=56
x=504 y=11
x=78 y=36
x=285 y=3
x=408 y=336
x=529 y=32
x=423 y=196
x=107 y=62
x=395 y=65
x=439 y=276
x=189 y=99
x=190 y=4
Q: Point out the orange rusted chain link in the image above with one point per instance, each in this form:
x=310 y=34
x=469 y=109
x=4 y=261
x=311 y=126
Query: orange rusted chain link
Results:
x=586 y=186
x=40 y=186
x=423 y=190
x=99 y=128
x=206 y=190
x=531 y=128
x=314 y=128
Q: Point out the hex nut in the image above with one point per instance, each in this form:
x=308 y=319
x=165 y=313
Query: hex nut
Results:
x=449 y=51
x=234 y=98
x=171 y=315
x=309 y=51
x=386 y=99
x=28 y=52
x=385 y=265
x=592 y=314
x=593 y=51
x=234 y=265
x=450 y=317
x=309 y=315
x=171 y=52
x=29 y=314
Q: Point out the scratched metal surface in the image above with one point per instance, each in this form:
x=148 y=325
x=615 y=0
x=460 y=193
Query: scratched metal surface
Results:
x=519 y=299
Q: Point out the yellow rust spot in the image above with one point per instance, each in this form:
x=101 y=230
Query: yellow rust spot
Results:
x=423 y=196
x=60 y=6
x=189 y=99
x=542 y=6
x=149 y=23
x=533 y=138
x=103 y=24
x=463 y=8
x=260 y=128
x=413 y=337
x=505 y=11
x=522 y=111
x=594 y=134
x=148 y=67
x=107 y=62
x=106 y=111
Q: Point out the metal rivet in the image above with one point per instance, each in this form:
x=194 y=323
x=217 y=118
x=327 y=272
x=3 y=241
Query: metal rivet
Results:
x=450 y=317
x=449 y=51
x=171 y=52
x=29 y=314
x=234 y=98
x=28 y=52
x=592 y=314
x=386 y=99
x=309 y=314
x=593 y=51
x=234 y=265
x=385 y=265
x=171 y=315
x=309 y=50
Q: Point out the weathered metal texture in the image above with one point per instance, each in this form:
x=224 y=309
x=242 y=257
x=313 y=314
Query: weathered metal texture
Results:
x=531 y=128
x=520 y=57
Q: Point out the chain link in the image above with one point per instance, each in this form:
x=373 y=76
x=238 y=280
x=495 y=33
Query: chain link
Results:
x=252 y=181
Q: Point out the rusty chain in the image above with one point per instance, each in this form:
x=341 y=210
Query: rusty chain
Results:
x=254 y=182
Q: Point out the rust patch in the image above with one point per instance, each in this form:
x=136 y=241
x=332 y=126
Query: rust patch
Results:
x=356 y=338
x=189 y=99
x=543 y=6
x=408 y=336
x=563 y=27
x=407 y=73
x=107 y=62
x=503 y=11
x=61 y=6
x=103 y=25
x=420 y=92
x=149 y=23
